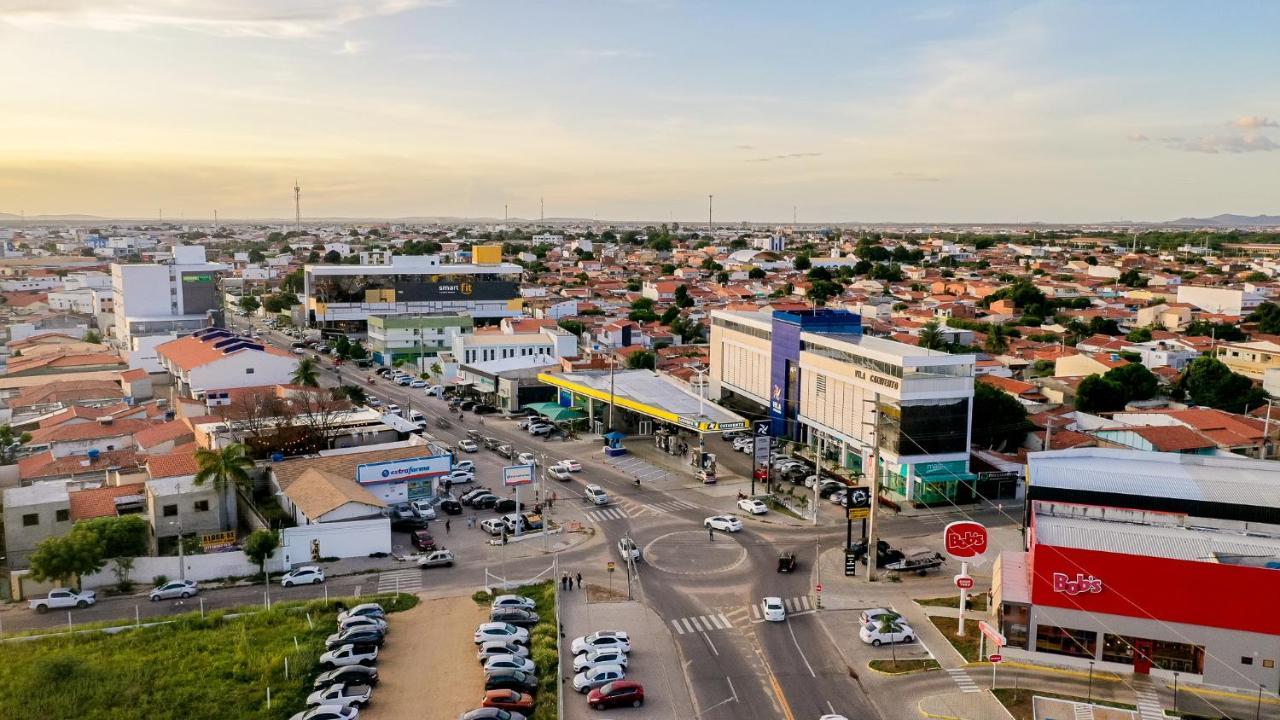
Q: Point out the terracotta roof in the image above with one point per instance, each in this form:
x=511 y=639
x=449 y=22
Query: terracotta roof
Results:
x=1017 y=388
x=178 y=463
x=1172 y=438
x=101 y=502
x=1226 y=429
x=67 y=391
x=195 y=351
x=51 y=337
x=160 y=433
x=62 y=360
x=133 y=375
x=315 y=493
x=76 y=411
x=45 y=465
x=88 y=431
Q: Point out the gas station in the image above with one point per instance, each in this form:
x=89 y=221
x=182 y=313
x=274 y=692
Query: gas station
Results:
x=621 y=403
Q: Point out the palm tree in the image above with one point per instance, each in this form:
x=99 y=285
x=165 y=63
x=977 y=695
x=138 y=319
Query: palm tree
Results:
x=224 y=468
x=931 y=336
x=888 y=624
x=306 y=373
x=436 y=371
x=997 y=340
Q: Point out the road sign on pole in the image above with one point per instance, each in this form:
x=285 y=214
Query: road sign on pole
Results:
x=818 y=587
x=995 y=658
x=993 y=634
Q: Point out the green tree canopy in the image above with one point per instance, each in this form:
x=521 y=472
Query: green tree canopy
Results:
x=644 y=359
x=1267 y=315
x=91 y=336
x=802 y=262
x=573 y=326
x=931 y=336
x=1208 y=381
x=260 y=546
x=682 y=297
x=1219 y=331
x=249 y=303
x=306 y=373
x=1139 y=335
x=63 y=557
x=999 y=420
x=756 y=273
x=225 y=469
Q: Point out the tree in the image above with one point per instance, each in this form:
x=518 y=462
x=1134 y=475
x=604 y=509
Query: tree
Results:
x=224 y=469
x=722 y=277
x=682 y=297
x=1267 y=315
x=931 y=337
x=1257 y=277
x=260 y=546
x=1139 y=335
x=354 y=393
x=342 y=347
x=643 y=359
x=999 y=420
x=357 y=351
x=573 y=326
x=306 y=373
x=249 y=303
x=62 y=557
x=10 y=443
x=802 y=262
x=436 y=370
x=257 y=256
x=122 y=537
x=1138 y=382
x=1210 y=382
x=1219 y=331
x=1132 y=278
x=333 y=257
x=279 y=302
x=997 y=340
x=756 y=273
x=92 y=336
x=292 y=282
x=671 y=315
x=1098 y=393
x=1103 y=326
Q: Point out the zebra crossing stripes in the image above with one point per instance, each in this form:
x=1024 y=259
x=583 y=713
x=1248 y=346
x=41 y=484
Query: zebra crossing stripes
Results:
x=607 y=513
x=701 y=623
x=963 y=681
x=624 y=510
x=795 y=606
x=1149 y=706
x=400 y=581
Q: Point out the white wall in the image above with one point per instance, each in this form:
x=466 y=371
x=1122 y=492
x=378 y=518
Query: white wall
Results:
x=231 y=371
x=142 y=352
x=353 y=538
x=198 y=567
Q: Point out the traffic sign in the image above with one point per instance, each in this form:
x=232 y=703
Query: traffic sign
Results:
x=819 y=587
x=857 y=497
x=995 y=658
x=996 y=637
x=762 y=428
x=964 y=582
x=859 y=513
x=763 y=444
x=610 y=566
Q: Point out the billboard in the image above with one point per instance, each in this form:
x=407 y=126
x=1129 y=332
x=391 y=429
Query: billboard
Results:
x=402 y=470
x=515 y=475
x=965 y=539
x=456 y=289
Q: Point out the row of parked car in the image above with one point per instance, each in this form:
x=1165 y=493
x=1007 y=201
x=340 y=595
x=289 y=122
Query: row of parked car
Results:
x=502 y=647
x=600 y=663
x=348 y=673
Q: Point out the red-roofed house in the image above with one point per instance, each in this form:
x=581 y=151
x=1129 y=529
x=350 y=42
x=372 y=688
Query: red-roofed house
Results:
x=108 y=501
x=103 y=435
x=215 y=359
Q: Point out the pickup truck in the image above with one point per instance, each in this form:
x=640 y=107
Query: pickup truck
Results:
x=349 y=655
x=61 y=598
x=341 y=694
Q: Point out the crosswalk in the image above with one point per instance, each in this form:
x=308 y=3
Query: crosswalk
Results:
x=634 y=466
x=1149 y=707
x=963 y=681
x=626 y=509
x=737 y=617
x=400 y=581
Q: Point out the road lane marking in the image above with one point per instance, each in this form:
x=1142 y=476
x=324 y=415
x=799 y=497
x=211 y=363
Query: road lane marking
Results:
x=782 y=699
x=694 y=621
x=796 y=642
x=710 y=645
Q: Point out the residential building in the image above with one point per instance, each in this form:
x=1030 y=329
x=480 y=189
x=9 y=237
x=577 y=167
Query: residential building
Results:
x=1169 y=317
x=1220 y=300
x=176 y=505
x=1135 y=562
x=33 y=513
x=154 y=303
x=822 y=382
x=215 y=359
x=347 y=295
x=409 y=337
x=1251 y=359
x=512 y=339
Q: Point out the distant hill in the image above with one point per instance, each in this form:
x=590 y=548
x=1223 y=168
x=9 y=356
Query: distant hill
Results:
x=1227 y=220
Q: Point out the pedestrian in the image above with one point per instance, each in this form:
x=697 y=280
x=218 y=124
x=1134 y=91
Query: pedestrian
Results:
x=564 y=581
x=579 y=581
x=446 y=526
x=711 y=535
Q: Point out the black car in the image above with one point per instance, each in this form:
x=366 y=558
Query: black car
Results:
x=354 y=636
x=507 y=505
x=450 y=507
x=484 y=409
x=384 y=372
x=516 y=616
x=476 y=492
x=408 y=524
x=511 y=680
x=350 y=675
x=467 y=404
x=484 y=502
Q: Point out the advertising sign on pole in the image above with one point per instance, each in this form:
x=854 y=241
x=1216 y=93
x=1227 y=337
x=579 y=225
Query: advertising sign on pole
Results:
x=964 y=582
x=516 y=475
x=965 y=539
x=763 y=444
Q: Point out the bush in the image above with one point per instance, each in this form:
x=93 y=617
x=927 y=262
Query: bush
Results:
x=482 y=597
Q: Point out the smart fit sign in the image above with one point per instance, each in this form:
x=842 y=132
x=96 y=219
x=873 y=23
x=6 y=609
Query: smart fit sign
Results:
x=402 y=470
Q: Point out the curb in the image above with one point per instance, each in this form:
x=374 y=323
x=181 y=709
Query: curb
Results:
x=1251 y=697
x=935 y=716
x=1098 y=675
x=903 y=673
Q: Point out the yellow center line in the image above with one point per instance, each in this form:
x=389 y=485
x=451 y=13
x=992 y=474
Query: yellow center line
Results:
x=777 y=691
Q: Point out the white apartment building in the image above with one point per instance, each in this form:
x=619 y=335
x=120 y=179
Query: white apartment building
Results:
x=153 y=303
x=511 y=341
x=1220 y=300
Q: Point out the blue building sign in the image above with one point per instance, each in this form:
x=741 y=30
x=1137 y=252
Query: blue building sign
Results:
x=784 y=365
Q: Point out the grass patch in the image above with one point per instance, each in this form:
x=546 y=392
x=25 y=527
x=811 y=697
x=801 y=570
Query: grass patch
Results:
x=1018 y=702
x=544 y=644
x=219 y=666
x=967 y=646
x=775 y=505
x=976 y=602
x=904 y=667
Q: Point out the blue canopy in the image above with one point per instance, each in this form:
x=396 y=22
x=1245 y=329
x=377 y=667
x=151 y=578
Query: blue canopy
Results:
x=615 y=435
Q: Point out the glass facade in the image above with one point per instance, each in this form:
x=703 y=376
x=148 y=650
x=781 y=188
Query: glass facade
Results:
x=1015 y=624
x=742 y=328
x=932 y=428
x=1066 y=641
x=880 y=366
x=1178 y=657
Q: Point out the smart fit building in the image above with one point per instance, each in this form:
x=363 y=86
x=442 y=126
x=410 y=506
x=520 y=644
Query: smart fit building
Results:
x=342 y=297
x=818 y=380
x=1148 y=562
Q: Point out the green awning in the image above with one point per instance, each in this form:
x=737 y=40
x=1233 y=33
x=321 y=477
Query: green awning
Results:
x=555 y=412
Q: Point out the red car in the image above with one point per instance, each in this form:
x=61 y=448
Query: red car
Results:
x=617 y=693
x=508 y=700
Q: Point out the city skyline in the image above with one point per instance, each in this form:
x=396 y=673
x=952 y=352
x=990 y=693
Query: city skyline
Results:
x=939 y=112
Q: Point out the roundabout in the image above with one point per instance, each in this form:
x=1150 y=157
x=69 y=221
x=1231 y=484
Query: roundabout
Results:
x=689 y=552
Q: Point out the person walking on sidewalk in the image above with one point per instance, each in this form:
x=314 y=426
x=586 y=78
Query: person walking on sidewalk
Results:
x=564 y=581
x=579 y=581
x=446 y=526
x=711 y=535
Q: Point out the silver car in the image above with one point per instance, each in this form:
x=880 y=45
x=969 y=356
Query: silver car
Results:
x=175 y=589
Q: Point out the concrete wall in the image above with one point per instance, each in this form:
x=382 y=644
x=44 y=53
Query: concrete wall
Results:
x=354 y=538
x=145 y=569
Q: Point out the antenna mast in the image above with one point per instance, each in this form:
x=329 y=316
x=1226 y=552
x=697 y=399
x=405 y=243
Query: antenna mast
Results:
x=297 y=206
x=542 y=210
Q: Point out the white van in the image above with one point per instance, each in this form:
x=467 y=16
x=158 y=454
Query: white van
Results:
x=596 y=494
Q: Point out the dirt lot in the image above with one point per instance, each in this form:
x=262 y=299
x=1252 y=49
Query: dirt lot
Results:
x=428 y=668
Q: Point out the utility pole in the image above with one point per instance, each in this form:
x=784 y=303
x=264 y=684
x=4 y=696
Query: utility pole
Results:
x=872 y=550
x=542 y=210
x=709 y=199
x=817 y=477
x=215 y=220
x=297 y=206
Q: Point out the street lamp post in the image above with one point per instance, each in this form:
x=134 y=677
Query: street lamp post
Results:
x=1090 y=681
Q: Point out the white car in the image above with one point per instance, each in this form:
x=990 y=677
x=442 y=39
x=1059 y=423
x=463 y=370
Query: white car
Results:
x=628 y=549
x=525 y=458
x=349 y=655
x=570 y=465
x=393 y=408
x=491 y=648
x=596 y=495
x=543 y=429
x=468 y=446
x=303 y=575
x=556 y=472
x=508 y=662
x=774 y=610
x=423 y=509
x=753 y=506
x=513 y=601
x=493 y=526
x=724 y=523
x=418 y=384
x=464 y=466
x=743 y=442
x=59 y=598
x=341 y=694
x=618 y=639
x=501 y=631
x=592 y=678
x=899 y=633
x=363 y=609
x=597 y=658
x=175 y=589
x=373 y=402
x=433 y=390
x=873 y=615
x=363 y=621
x=458 y=477
x=328 y=712
x=436 y=558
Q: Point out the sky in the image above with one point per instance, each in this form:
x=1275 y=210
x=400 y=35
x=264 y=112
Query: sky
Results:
x=836 y=111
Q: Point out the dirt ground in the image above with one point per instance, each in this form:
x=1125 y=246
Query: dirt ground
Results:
x=428 y=668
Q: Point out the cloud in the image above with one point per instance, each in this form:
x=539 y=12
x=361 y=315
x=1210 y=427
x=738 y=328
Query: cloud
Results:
x=787 y=156
x=1220 y=144
x=1138 y=137
x=235 y=18
x=1253 y=122
x=352 y=47
x=916 y=177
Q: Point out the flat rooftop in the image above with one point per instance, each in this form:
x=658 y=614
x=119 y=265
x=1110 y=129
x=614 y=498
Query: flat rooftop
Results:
x=649 y=394
x=1176 y=542
x=442 y=269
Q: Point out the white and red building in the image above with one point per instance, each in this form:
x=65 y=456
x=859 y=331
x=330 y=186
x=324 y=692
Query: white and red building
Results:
x=1146 y=562
x=216 y=359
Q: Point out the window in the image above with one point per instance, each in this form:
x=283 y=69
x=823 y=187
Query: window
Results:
x=248 y=371
x=202 y=506
x=1066 y=641
x=820 y=385
x=30 y=519
x=169 y=510
x=62 y=515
